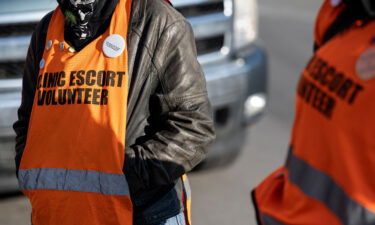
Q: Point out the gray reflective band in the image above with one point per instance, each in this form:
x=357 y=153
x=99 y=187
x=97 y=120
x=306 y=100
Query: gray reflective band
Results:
x=187 y=188
x=268 y=220
x=73 y=180
x=320 y=186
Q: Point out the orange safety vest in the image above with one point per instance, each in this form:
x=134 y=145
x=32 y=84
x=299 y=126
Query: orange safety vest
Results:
x=328 y=176
x=72 y=166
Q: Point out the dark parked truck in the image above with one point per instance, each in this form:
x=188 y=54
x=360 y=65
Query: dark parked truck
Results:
x=226 y=37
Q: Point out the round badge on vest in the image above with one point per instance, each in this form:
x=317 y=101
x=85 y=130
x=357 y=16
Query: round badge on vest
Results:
x=365 y=66
x=49 y=45
x=114 y=46
x=42 y=63
x=335 y=3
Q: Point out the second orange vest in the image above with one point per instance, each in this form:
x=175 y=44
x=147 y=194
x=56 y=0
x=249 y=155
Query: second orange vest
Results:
x=328 y=176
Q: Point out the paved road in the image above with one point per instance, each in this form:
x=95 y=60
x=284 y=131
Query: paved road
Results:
x=221 y=197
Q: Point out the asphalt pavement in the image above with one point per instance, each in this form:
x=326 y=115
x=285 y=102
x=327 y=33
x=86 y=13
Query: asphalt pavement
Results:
x=222 y=196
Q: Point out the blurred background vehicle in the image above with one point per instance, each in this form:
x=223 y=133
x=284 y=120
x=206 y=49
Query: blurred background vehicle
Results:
x=235 y=68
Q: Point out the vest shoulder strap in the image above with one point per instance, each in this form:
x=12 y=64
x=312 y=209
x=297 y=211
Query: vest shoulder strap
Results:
x=41 y=35
x=344 y=21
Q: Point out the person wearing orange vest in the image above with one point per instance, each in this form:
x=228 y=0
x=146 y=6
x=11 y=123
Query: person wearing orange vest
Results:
x=114 y=113
x=328 y=176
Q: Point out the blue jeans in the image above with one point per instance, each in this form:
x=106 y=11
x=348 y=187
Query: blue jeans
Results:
x=176 y=220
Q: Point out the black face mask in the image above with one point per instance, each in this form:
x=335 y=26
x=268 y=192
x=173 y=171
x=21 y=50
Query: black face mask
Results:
x=85 y=20
x=368 y=5
x=77 y=16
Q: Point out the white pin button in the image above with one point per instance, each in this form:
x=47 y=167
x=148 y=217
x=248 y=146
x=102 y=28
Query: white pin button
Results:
x=42 y=63
x=365 y=66
x=62 y=47
x=114 y=46
x=49 y=45
x=335 y=3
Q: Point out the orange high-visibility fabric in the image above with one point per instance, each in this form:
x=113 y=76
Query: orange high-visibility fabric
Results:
x=327 y=15
x=290 y=207
x=333 y=134
x=78 y=124
x=343 y=145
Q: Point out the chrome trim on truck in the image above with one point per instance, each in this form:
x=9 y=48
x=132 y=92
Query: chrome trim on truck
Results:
x=14 y=48
x=10 y=85
x=25 y=17
x=210 y=25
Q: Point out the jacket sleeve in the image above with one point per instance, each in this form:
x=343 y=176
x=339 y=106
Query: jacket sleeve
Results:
x=28 y=91
x=180 y=143
x=30 y=74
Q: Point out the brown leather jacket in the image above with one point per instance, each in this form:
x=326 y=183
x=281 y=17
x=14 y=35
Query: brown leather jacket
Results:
x=169 y=120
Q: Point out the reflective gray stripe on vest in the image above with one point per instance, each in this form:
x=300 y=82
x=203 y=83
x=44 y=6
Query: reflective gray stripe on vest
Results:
x=73 y=180
x=268 y=220
x=320 y=186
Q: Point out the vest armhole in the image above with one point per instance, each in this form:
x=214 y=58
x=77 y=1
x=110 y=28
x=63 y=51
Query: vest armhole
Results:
x=41 y=35
x=257 y=213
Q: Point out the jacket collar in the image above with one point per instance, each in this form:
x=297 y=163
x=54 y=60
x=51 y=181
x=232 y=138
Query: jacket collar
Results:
x=138 y=10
